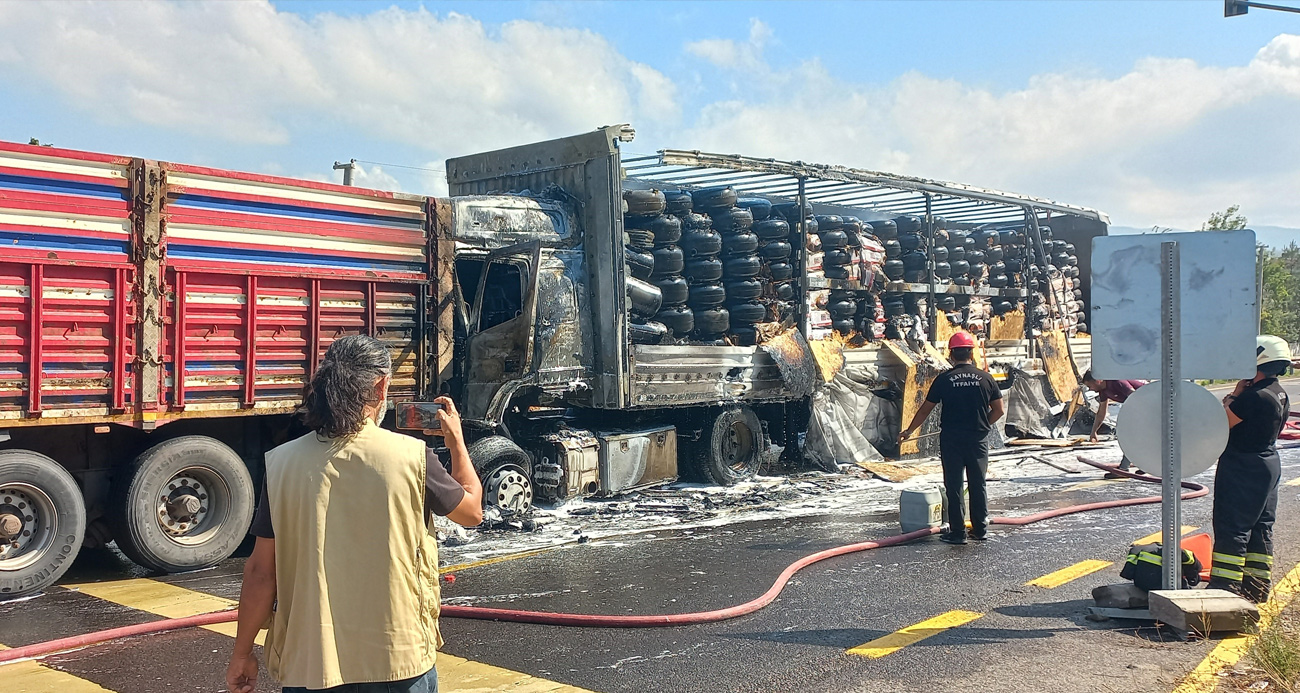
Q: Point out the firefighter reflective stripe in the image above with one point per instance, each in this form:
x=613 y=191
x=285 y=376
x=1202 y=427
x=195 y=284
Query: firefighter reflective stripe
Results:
x=1188 y=557
x=1259 y=558
x=1148 y=557
x=1234 y=575
x=1259 y=573
x=1229 y=559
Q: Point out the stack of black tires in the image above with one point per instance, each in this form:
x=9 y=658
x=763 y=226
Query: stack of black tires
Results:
x=911 y=245
x=669 y=262
x=776 y=251
x=737 y=295
x=643 y=220
x=702 y=244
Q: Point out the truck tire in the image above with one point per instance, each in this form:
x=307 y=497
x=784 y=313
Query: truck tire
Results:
x=506 y=471
x=643 y=298
x=712 y=321
x=833 y=240
x=731 y=219
x=772 y=229
x=939 y=253
x=744 y=289
x=742 y=267
x=42 y=519
x=942 y=270
x=840 y=272
x=785 y=291
x=776 y=250
x=664 y=228
x=703 y=269
x=649 y=332
x=640 y=264
x=720 y=196
x=729 y=449
x=644 y=202
x=910 y=241
x=696 y=221
x=994 y=254
x=701 y=242
x=893 y=249
x=908 y=224
x=836 y=258
x=780 y=271
x=744 y=243
x=790 y=211
x=885 y=229
x=678 y=202
x=679 y=319
x=705 y=295
x=893 y=269
x=959 y=268
x=640 y=238
x=956 y=239
x=187 y=504
x=957 y=253
x=674 y=289
x=746 y=313
x=759 y=207
x=668 y=260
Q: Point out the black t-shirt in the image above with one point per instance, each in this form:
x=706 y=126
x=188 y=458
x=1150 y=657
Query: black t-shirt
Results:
x=1263 y=408
x=965 y=392
x=441 y=496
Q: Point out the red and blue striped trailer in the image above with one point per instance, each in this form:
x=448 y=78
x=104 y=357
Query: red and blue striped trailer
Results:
x=157 y=323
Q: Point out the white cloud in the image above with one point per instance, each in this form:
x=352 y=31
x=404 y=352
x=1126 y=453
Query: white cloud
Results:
x=1107 y=143
x=246 y=72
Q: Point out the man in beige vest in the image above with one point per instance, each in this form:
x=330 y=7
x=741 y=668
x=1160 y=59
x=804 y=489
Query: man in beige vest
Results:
x=344 y=574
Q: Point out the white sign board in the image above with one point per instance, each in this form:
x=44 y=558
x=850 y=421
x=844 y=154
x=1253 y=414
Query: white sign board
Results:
x=1202 y=428
x=1218 y=298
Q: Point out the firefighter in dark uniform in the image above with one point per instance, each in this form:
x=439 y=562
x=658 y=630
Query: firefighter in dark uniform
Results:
x=1245 y=484
x=972 y=403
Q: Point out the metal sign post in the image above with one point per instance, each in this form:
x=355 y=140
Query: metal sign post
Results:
x=1171 y=374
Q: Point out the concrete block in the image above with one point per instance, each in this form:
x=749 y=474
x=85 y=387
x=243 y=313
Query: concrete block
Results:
x=1202 y=611
x=1124 y=595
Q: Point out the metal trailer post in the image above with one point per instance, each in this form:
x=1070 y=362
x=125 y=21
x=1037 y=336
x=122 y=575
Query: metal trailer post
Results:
x=801 y=308
x=931 y=312
x=1031 y=225
x=1170 y=375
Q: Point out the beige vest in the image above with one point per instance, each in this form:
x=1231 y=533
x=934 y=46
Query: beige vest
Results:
x=357 y=596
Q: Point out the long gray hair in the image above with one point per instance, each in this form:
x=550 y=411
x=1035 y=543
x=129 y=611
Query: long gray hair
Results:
x=334 y=402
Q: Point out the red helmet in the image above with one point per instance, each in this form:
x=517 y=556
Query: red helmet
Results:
x=961 y=340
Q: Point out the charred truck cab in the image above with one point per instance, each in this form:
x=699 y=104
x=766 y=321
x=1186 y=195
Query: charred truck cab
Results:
x=563 y=403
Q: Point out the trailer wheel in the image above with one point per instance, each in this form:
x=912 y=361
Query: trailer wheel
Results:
x=728 y=452
x=42 y=522
x=187 y=504
x=503 y=467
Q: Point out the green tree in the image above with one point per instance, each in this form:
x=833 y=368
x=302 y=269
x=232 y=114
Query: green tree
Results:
x=1229 y=219
x=1280 y=309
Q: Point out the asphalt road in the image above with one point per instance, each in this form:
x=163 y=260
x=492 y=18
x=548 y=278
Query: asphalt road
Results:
x=1016 y=638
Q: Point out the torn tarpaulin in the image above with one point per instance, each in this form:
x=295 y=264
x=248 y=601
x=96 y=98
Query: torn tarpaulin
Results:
x=849 y=419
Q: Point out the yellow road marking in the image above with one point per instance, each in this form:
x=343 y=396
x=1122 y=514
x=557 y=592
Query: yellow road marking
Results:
x=33 y=677
x=172 y=601
x=1205 y=677
x=1064 y=575
x=889 y=644
x=1156 y=537
x=1293 y=482
x=162 y=599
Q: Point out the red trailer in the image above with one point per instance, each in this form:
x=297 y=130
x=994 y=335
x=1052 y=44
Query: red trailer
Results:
x=157 y=323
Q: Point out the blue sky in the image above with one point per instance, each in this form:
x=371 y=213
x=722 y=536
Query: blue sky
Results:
x=1157 y=112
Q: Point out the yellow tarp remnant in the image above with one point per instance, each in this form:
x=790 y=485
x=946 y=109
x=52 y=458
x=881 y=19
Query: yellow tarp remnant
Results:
x=896 y=473
x=1054 y=349
x=916 y=382
x=944 y=329
x=1008 y=326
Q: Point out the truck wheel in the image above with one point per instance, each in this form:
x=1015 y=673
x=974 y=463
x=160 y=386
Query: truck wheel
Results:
x=42 y=522
x=728 y=452
x=503 y=467
x=187 y=504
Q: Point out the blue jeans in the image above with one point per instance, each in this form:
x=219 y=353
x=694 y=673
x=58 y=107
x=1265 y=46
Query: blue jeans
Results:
x=428 y=683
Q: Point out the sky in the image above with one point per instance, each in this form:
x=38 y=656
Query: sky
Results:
x=1157 y=113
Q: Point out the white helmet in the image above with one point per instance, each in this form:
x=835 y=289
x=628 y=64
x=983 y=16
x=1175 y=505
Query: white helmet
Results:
x=1269 y=349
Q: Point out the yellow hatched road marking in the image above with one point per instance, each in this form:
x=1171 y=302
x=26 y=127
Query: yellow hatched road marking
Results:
x=172 y=601
x=30 y=676
x=1064 y=575
x=1294 y=482
x=889 y=644
x=162 y=599
x=1156 y=537
x=1205 y=677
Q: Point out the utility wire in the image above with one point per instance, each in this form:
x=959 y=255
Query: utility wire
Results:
x=413 y=168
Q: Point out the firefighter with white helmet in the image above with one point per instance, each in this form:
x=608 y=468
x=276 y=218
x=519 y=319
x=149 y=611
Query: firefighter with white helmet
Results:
x=1245 y=484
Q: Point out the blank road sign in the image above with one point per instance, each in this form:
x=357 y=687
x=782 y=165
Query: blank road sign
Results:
x=1218 y=300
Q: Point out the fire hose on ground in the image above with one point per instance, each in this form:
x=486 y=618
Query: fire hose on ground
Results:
x=1194 y=490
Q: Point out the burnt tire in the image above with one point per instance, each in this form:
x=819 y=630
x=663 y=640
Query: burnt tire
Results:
x=649 y=332
x=776 y=250
x=701 y=242
x=673 y=290
x=640 y=264
x=506 y=472
x=744 y=243
x=840 y=272
x=668 y=260
x=712 y=321
x=664 y=228
x=644 y=202
x=640 y=238
x=833 y=240
x=780 y=271
x=47 y=504
x=679 y=319
x=746 y=313
x=706 y=295
x=836 y=258
x=759 y=207
x=720 y=196
x=742 y=267
x=893 y=269
x=678 y=202
x=885 y=230
x=731 y=219
x=696 y=221
x=152 y=521
x=729 y=448
x=744 y=289
x=772 y=229
x=703 y=269
x=643 y=298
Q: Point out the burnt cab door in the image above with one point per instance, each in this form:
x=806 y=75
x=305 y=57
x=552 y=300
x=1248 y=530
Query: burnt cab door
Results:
x=501 y=324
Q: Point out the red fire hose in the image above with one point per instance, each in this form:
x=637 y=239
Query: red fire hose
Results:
x=610 y=620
